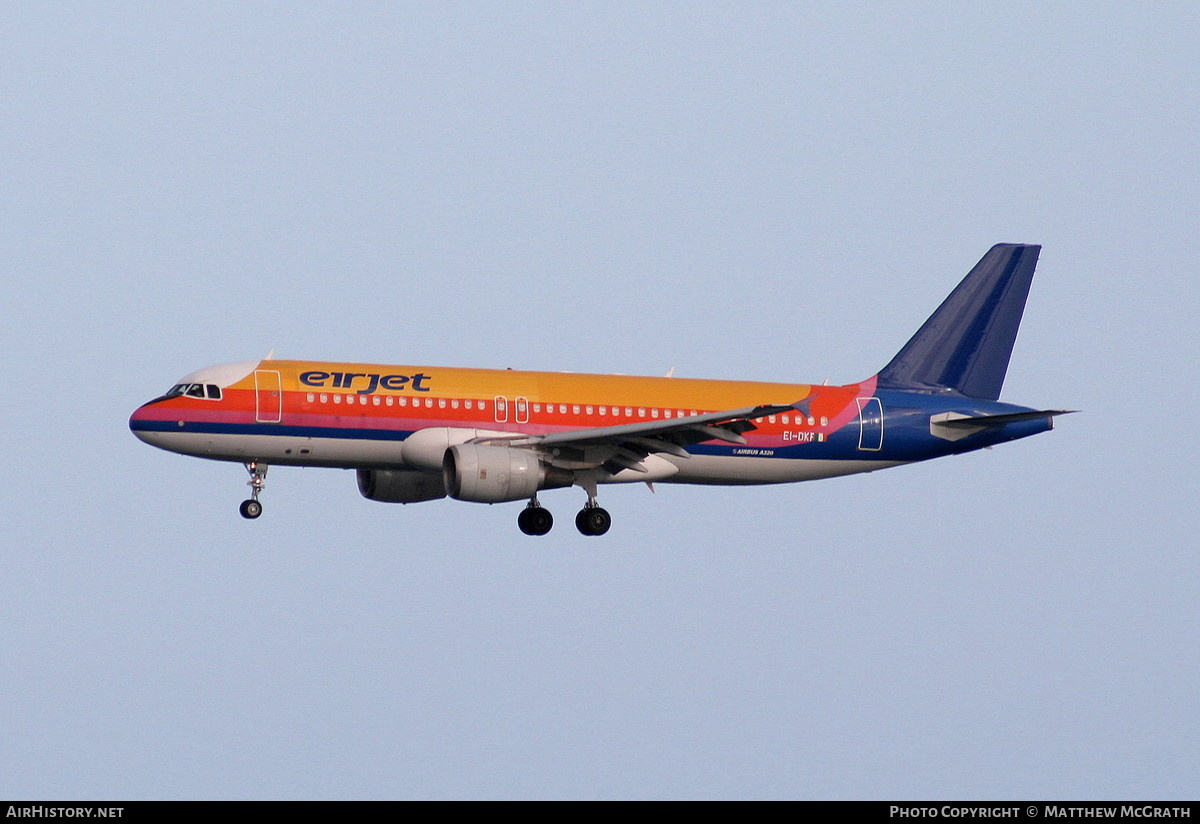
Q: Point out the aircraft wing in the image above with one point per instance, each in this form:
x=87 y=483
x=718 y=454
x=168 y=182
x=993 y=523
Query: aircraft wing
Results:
x=624 y=446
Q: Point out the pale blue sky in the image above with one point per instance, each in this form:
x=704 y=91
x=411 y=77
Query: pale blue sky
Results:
x=774 y=191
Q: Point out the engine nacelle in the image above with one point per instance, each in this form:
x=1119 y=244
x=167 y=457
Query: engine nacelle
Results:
x=425 y=448
x=399 y=486
x=492 y=474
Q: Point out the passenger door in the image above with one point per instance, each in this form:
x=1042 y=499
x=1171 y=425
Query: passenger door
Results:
x=870 y=424
x=268 y=396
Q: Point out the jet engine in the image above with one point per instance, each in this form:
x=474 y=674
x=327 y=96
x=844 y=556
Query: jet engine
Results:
x=492 y=474
x=399 y=486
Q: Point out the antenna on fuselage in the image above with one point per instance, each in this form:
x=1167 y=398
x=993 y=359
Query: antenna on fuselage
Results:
x=270 y=355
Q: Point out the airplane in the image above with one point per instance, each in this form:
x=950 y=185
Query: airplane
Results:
x=420 y=433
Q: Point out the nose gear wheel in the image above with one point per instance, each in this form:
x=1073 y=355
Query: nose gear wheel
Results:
x=251 y=508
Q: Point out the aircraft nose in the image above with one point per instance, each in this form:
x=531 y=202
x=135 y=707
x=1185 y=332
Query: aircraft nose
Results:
x=140 y=423
x=136 y=418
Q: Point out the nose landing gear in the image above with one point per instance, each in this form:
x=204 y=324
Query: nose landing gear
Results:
x=251 y=508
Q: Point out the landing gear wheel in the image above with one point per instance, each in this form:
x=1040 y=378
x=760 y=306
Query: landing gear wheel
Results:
x=534 y=520
x=593 y=520
x=251 y=508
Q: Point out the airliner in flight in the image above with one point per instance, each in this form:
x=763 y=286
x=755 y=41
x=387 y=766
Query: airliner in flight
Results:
x=419 y=433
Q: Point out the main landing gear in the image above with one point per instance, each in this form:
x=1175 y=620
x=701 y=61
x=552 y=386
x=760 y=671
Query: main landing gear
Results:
x=593 y=520
x=537 y=520
x=258 y=479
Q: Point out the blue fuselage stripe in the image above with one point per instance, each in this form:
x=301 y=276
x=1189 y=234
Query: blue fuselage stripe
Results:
x=272 y=429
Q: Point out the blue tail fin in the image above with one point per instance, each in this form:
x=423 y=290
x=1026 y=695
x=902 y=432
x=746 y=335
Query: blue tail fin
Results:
x=965 y=345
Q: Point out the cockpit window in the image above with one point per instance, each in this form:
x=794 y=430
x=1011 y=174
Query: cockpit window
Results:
x=195 y=390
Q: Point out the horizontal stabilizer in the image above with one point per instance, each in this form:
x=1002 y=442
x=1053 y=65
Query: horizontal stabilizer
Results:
x=998 y=420
x=954 y=426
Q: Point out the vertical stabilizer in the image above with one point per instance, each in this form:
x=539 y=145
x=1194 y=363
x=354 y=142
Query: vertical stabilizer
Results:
x=965 y=345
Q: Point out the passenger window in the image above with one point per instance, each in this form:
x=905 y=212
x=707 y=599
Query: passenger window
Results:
x=588 y=410
x=337 y=398
x=454 y=404
x=641 y=413
x=629 y=411
x=562 y=409
x=324 y=398
x=441 y=403
x=388 y=400
x=403 y=401
x=654 y=413
x=311 y=397
x=375 y=400
x=604 y=410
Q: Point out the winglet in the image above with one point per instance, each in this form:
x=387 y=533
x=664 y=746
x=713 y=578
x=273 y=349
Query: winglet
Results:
x=966 y=344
